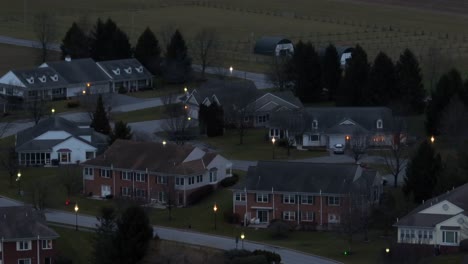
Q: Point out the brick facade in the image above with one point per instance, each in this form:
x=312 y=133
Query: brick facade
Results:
x=313 y=210
x=11 y=255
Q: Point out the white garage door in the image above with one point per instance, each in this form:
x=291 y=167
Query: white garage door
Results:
x=336 y=139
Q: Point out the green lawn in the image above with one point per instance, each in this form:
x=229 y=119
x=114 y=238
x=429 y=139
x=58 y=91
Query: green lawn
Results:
x=75 y=245
x=255 y=147
x=146 y=114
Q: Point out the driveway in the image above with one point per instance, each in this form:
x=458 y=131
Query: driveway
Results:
x=185 y=236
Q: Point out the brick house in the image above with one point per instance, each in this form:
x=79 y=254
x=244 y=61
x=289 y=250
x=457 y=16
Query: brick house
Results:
x=153 y=172
x=25 y=237
x=302 y=193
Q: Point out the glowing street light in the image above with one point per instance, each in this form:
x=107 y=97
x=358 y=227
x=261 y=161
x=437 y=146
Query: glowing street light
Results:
x=189 y=118
x=387 y=250
x=242 y=239
x=273 y=140
x=164 y=143
x=185 y=89
x=230 y=70
x=76 y=215
x=215 y=209
x=432 y=139
x=84 y=92
x=18 y=179
x=53 y=110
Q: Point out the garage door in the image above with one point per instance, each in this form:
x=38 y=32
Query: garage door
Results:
x=336 y=139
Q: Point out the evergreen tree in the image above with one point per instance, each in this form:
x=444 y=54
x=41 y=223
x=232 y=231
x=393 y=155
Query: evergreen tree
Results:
x=148 y=52
x=121 y=131
x=75 y=43
x=422 y=173
x=133 y=236
x=103 y=249
x=449 y=85
x=331 y=71
x=409 y=83
x=100 y=123
x=354 y=85
x=382 y=81
x=203 y=118
x=108 y=42
x=178 y=64
x=215 y=120
x=305 y=69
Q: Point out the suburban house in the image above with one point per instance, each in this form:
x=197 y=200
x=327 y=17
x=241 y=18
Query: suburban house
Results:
x=25 y=237
x=154 y=172
x=36 y=83
x=127 y=73
x=56 y=140
x=304 y=194
x=440 y=222
x=258 y=106
x=328 y=126
x=83 y=76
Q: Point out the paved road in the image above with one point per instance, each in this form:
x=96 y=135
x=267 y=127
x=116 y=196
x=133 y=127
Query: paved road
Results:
x=185 y=236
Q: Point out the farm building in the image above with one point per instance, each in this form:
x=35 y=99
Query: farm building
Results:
x=344 y=53
x=273 y=46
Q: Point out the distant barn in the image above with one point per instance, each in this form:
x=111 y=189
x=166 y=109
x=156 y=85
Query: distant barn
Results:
x=273 y=46
x=344 y=53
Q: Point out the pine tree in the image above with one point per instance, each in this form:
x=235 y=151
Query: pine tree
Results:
x=353 y=90
x=203 y=118
x=108 y=42
x=331 y=71
x=382 y=81
x=178 y=64
x=422 y=173
x=134 y=233
x=103 y=248
x=75 y=43
x=409 y=83
x=100 y=122
x=148 y=52
x=314 y=76
x=305 y=72
x=215 y=120
x=449 y=85
x=121 y=131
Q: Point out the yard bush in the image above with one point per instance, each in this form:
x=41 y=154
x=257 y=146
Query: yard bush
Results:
x=279 y=229
x=230 y=217
x=122 y=90
x=271 y=257
x=229 y=181
x=464 y=245
x=199 y=194
x=73 y=103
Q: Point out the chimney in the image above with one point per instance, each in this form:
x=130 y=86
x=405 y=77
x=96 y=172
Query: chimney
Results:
x=67 y=58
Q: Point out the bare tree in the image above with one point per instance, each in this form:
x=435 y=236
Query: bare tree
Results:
x=177 y=120
x=278 y=74
x=70 y=178
x=205 y=47
x=358 y=145
x=45 y=28
x=239 y=114
x=37 y=108
x=396 y=155
x=9 y=162
x=169 y=196
x=37 y=191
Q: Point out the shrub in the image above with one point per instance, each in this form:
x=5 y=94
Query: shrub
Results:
x=271 y=257
x=279 y=229
x=232 y=218
x=236 y=253
x=464 y=245
x=122 y=90
x=73 y=103
x=229 y=181
x=199 y=194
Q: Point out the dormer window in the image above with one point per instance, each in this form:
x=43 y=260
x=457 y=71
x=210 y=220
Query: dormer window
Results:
x=379 y=123
x=116 y=71
x=128 y=70
x=30 y=80
x=315 y=124
x=42 y=78
x=139 y=69
x=54 y=77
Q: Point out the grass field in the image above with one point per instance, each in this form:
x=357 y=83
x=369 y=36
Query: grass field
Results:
x=376 y=26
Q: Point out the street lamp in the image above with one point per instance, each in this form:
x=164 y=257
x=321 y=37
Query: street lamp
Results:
x=53 y=110
x=185 y=89
x=242 y=239
x=76 y=216
x=230 y=70
x=432 y=139
x=164 y=143
x=189 y=118
x=273 y=140
x=84 y=92
x=387 y=250
x=18 y=179
x=215 y=209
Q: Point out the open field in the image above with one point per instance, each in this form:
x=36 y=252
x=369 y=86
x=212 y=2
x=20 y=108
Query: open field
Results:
x=376 y=26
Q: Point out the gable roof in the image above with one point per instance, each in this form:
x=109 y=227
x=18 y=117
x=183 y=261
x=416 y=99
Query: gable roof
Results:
x=151 y=156
x=25 y=139
x=78 y=70
x=38 y=78
x=22 y=222
x=124 y=69
x=280 y=99
x=458 y=196
x=304 y=177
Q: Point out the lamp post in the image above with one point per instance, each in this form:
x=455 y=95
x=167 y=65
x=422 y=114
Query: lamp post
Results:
x=273 y=140
x=230 y=70
x=53 y=110
x=164 y=143
x=18 y=179
x=76 y=217
x=185 y=89
x=215 y=209
x=432 y=139
x=242 y=239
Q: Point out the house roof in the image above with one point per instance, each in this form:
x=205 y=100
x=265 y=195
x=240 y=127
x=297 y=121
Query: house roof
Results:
x=458 y=196
x=125 y=69
x=304 y=177
x=38 y=78
x=25 y=140
x=79 y=70
x=150 y=156
x=22 y=222
x=267 y=45
x=273 y=101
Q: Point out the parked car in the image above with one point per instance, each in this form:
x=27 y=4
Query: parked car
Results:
x=338 y=149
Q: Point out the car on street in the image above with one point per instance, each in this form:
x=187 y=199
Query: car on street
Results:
x=338 y=149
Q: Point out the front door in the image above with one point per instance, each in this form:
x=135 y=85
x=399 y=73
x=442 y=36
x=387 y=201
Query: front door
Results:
x=262 y=215
x=105 y=190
